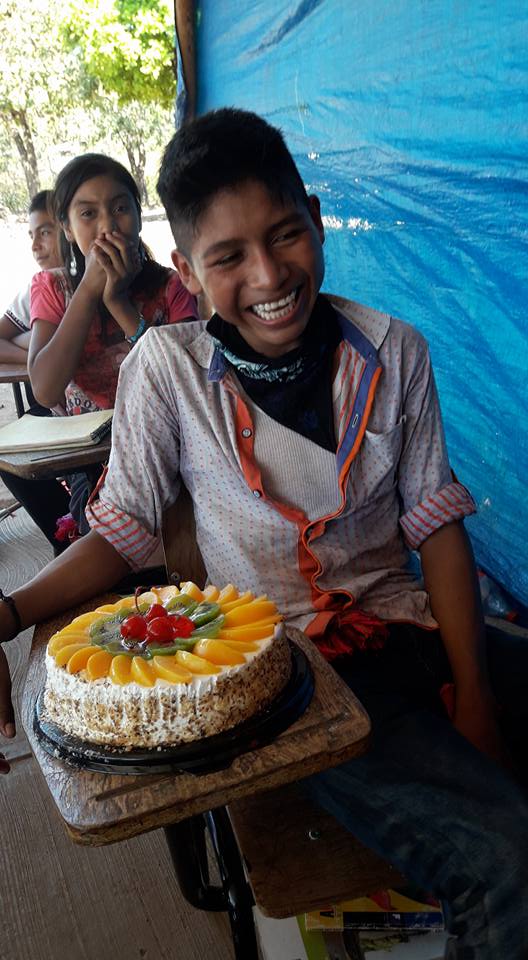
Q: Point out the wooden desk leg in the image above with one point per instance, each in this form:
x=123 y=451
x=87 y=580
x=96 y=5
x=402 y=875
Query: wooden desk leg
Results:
x=19 y=403
x=188 y=849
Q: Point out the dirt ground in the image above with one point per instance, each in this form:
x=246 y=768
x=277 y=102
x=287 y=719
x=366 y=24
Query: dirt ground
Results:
x=19 y=266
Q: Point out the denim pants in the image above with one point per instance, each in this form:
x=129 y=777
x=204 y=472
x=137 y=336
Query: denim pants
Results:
x=424 y=798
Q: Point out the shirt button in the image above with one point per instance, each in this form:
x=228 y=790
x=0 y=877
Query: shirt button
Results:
x=257 y=494
x=246 y=432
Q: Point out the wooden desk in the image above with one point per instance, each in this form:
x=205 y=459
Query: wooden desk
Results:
x=38 y=464
x=100 y=808
x=15 y=374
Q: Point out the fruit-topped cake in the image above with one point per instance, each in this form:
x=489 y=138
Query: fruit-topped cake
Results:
x=167 y=666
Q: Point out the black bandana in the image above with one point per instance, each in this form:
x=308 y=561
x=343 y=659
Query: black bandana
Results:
x=295 y=389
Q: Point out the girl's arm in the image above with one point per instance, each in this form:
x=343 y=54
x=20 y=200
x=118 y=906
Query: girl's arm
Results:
x=451 y=581
x=55 y=351
x=11 y=342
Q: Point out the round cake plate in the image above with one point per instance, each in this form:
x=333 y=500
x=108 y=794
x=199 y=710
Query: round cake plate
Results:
x=198 y=757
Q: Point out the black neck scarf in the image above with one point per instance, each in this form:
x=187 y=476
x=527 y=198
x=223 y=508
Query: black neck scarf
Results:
x=295 y=389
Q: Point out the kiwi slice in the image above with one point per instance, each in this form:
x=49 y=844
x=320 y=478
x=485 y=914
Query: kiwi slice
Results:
x=210 y=629
x=204 y=613
x=108 y=627
x=182 y=603
x=167 y=649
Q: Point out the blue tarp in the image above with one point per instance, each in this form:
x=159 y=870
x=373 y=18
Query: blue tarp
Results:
x=409 y=121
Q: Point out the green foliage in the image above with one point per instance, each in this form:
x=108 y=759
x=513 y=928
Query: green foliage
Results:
x=126 y=46
x=81 y=75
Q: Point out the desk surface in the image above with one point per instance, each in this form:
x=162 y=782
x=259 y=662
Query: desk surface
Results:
x=102 y=808
x=13 y=373
x=41 y=463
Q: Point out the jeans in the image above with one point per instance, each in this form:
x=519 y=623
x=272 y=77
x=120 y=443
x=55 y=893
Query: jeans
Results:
x=424 y=798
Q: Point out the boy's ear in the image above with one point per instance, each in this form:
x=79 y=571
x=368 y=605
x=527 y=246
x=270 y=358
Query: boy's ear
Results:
x=186 y=272
x=314 y=207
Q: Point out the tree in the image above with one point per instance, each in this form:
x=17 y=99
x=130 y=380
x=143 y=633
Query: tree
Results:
x=139 y=131
x=127 y=46
x=34 y=88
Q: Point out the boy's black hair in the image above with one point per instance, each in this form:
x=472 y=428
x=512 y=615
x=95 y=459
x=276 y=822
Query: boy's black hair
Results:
x=219 y=151
x=42 y=202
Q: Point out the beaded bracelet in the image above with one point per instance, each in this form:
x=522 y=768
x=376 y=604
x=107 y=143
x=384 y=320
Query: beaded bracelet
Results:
x=13 y=608
x=140 y=330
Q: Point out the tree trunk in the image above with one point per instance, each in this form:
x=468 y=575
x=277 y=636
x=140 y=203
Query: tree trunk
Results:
x=137 y=168
x=23 y=137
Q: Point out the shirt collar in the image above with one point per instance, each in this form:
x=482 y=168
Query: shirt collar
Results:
x=363 y=327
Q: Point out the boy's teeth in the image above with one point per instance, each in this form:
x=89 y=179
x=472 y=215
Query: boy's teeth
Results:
x=276 y=309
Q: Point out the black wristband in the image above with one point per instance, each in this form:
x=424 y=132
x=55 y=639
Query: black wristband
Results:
x=13 y=608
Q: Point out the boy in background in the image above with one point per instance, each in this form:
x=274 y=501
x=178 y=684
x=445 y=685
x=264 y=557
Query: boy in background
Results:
x=307 y=430
x=44 y=234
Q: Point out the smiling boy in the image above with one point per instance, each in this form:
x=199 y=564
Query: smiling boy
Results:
x=307 y=430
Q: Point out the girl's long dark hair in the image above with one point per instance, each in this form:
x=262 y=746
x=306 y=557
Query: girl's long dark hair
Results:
x=153 y=275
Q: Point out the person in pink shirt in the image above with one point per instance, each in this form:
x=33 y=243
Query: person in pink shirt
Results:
x=87 y=315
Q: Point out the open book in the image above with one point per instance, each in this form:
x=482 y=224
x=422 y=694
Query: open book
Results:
x=55 y=433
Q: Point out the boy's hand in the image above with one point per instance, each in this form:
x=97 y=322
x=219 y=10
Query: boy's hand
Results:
x=475 y=717
x=119 y=257
x=7 y=717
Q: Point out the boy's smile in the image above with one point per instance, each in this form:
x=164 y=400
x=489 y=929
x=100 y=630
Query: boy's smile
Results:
x=260 y=264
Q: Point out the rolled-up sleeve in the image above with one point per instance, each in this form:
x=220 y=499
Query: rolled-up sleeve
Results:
x=430 y=495
x=143 y=471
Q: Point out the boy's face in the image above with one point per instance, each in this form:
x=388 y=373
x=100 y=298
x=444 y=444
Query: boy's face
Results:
x=259 y=263
x=44 y=236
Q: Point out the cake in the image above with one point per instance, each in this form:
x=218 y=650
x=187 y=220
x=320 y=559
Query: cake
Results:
x=168 y=666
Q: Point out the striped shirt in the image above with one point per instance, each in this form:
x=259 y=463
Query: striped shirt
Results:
x=276 y=513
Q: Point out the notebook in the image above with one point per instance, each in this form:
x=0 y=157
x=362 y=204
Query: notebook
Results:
x=55 y=433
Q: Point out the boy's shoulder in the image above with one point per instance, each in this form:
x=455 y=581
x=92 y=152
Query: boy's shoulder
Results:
x=177 y=339
x=378 y=327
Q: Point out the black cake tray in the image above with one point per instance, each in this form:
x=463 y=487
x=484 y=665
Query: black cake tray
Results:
x=198 y=757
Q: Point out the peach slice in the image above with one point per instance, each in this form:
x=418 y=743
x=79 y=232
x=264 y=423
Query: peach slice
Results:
x=168 y=669
x=99 y=665
x=217 y=652
x=195 y=664
x=78 y=660
x=246 y=597
x=244 y=646
x=120 y=669
x=211 y=593
x=228 y=593
x=191 y=590
x=65 y=653
x=164 y=594
x=251 y=632
x=251 y=613
x=83 y=620
x=142 y=672
x=61 y=639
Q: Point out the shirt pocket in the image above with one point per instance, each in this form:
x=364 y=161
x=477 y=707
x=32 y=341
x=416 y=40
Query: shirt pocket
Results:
x=374 y=471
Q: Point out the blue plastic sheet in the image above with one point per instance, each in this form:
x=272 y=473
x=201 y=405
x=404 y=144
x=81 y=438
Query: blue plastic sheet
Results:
x=409 y=121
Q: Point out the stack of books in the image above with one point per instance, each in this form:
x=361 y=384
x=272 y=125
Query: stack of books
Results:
x=54 y=434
